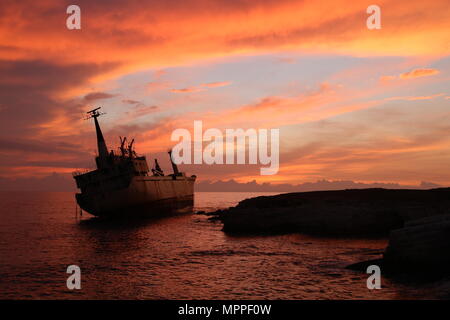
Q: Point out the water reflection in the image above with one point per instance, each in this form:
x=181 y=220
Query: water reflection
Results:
x=176 y=257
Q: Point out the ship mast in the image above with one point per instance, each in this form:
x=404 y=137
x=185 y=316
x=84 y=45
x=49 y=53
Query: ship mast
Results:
x=101 y=144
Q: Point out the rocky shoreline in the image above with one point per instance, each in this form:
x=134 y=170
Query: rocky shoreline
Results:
x=346 y=213
x=417 y=223
x=419 y=249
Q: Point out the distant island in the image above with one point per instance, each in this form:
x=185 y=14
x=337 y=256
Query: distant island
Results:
x=320 y=185
x=63 y=182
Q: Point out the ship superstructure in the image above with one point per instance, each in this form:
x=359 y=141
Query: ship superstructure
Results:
x=122 y=184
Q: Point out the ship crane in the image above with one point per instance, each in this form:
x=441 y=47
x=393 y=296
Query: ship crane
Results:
x=131 y=152
x=123 y=150
x=176 y=172
x=128 y=151
x=157 y=171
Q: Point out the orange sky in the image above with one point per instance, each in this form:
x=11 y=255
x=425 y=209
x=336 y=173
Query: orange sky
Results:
x=351 y=103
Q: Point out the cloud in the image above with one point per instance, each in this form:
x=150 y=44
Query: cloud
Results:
x=29 y=145
x=93 y=96
x=130 y=101
x=371 y=144
x=186 y=90
x=158 y=85
x=323 y=101
x=159 y=73
x=142 y=110
x=414 y=98
x=32 y=101
x=39 y=122
x=288 y=60
x=139 y=109
x=20 y=155
x=216 y=84
x=202 y=87
x=417 y=73
x=387 y=79
x=42 y=86
x=154 y=34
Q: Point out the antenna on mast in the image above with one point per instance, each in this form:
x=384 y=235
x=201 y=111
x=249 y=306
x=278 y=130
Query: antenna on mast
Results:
x=94 y=113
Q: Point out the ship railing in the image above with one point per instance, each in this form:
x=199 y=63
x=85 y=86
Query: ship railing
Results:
x=80 y=172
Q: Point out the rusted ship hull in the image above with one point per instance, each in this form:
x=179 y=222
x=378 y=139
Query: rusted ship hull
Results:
x=147 y=196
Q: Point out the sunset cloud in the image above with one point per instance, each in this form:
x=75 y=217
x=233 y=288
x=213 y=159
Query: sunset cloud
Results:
x=202 y=87
x=414 y=98
x=158 y=85
x=387 y=79
x=311 y=69
x=416 y=73
x=154 y=34
x=139 y=111
x=130 y=101
x=216 y=84
x=186 y=90
x=93 y=96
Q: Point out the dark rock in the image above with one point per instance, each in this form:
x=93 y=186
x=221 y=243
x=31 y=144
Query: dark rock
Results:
x=359 y=212
x=423 y=245
x=418 y=252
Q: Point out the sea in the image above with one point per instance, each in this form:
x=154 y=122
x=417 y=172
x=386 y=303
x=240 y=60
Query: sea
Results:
x=179 y=257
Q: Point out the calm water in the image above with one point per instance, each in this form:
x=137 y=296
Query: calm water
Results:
x=182 y=257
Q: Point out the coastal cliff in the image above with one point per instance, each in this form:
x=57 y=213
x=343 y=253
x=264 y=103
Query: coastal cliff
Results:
x=418 y=250
x=355 y=212
x=421 y=245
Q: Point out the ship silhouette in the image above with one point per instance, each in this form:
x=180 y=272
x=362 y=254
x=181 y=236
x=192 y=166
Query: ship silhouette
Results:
x=122 y=185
